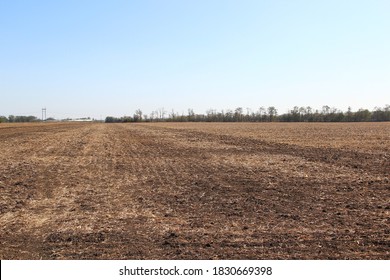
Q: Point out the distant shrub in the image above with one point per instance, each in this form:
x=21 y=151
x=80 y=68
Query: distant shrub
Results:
x=19 y=119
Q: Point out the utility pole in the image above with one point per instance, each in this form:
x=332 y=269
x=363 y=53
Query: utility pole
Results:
x=43 y=114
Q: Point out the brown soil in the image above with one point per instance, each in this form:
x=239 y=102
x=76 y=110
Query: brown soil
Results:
x=195 y=191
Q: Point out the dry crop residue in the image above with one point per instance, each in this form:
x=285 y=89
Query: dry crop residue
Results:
x=195 y=191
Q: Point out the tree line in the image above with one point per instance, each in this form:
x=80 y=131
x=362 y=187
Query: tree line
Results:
x=21 y=119
x=18 y=119
x=270 y=114
x=262 y=114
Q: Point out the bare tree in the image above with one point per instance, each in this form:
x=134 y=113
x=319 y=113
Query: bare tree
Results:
x=191 y=115
x=272 y=113
x=238 y=114
x=161 y=113
x=261 y=113
x=138 y=113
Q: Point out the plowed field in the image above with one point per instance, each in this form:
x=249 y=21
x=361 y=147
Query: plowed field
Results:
x=195 y=191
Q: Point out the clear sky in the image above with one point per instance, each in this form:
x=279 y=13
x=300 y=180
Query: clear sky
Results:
x=97 y=58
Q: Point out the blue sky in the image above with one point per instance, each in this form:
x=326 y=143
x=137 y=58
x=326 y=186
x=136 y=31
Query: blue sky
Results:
x=98 y=58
